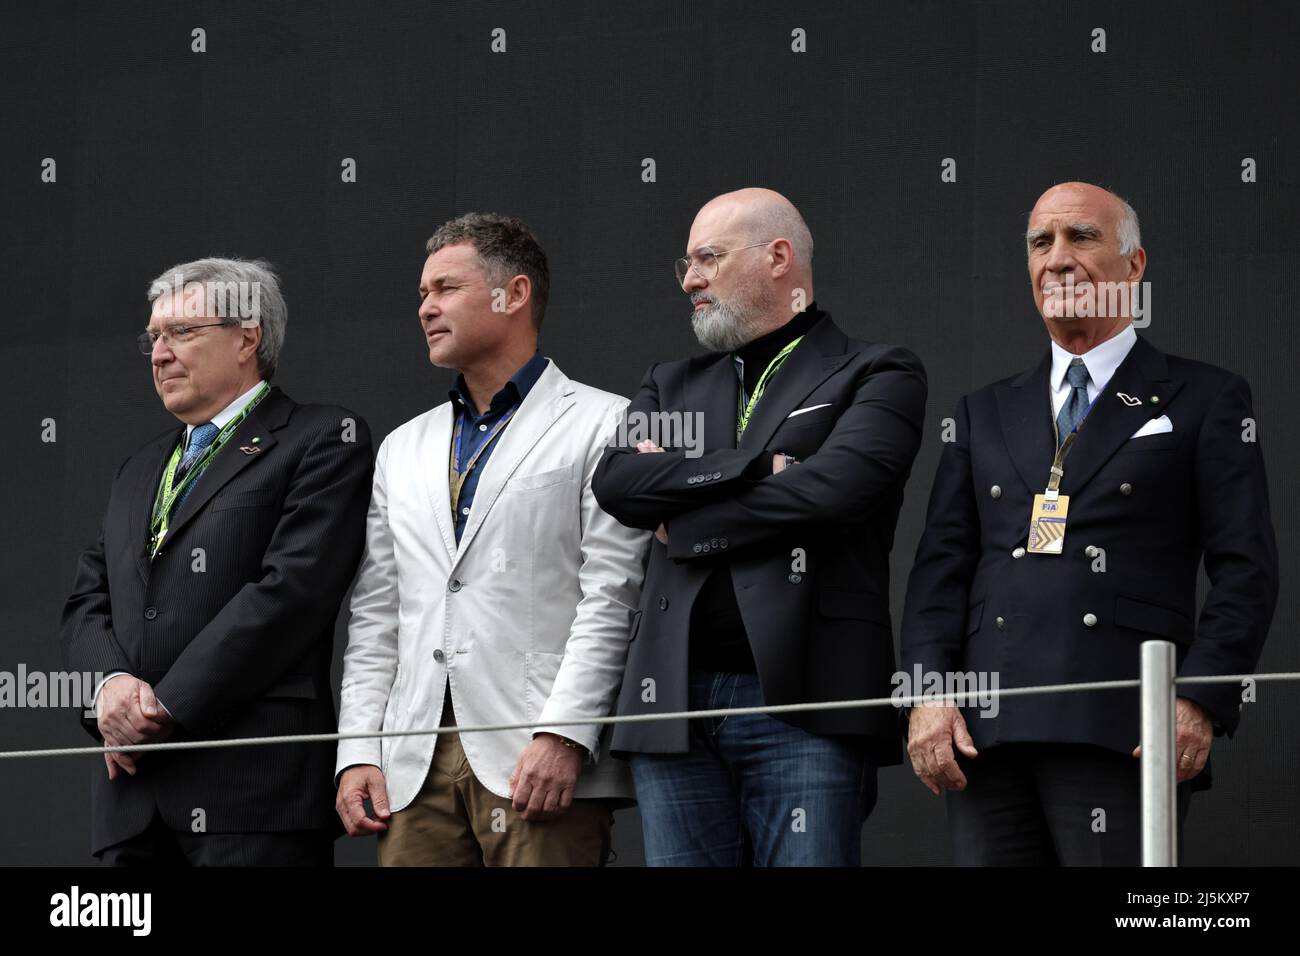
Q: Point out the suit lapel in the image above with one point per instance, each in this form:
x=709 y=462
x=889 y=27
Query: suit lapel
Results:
x=711 y=390
x=271 y=413
x=549 y=398
x=815 y=359
x=438 y=455
x=1025 y=411
x=1143 y=377
x=146 y=489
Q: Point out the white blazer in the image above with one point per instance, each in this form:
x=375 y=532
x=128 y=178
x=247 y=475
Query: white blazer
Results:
x=528 y=617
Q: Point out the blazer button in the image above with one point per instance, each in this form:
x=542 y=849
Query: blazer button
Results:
x=704 y=547
x=1126 y=489
x=995 y=492
x=697 y=547
x=722 y=543
x=794 y=578
x=439 y=656
x=1018 y=553
x=1001 y=623
x=713 y=542
x=1090 y=620
x=691 y=480
x=663 y=604
x=717 y=474
x=150 y=613
x=454 y=585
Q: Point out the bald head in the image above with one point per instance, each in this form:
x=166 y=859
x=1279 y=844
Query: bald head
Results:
x=757 y=215
x=1118 y=216
x=1085 y=259
x=750 y=267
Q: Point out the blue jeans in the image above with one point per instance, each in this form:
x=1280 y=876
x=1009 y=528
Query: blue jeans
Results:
x=753 y=789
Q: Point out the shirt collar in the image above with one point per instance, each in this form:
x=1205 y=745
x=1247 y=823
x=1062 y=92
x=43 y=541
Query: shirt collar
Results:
x=1102 y=360
x=516 y=388
x=223 y=417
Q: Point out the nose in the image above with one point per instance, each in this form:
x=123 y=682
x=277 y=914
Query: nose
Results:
x=162 y=352
x=694 y=281
x=1060 y=258
x=427 y=308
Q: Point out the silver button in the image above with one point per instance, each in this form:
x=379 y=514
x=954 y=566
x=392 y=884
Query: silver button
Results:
x=1018 y=553
x=995 y=492
x=464 y=511
x=482 y=428
x=1001 y=623
x=1090 y=550
x=1089 y=620
x=439 y=656
x=1126 y=489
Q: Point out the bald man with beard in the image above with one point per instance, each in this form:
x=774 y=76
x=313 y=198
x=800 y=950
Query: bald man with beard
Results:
x=1158 y=472
x=768 y=580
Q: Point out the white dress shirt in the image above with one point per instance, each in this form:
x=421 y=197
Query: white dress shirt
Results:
x=1101 y=361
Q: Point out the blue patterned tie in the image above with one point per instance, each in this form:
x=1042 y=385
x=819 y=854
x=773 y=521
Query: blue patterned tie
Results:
x=200 y=439
x=1077 y=403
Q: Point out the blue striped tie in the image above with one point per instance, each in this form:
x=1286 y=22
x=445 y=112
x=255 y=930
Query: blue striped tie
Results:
x=1077 y=403
x=200 y=439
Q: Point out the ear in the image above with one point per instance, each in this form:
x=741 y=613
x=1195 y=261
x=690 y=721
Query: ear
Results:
x=1137 y=265
x=252 y=338
x=781 y=255
x=519 y=292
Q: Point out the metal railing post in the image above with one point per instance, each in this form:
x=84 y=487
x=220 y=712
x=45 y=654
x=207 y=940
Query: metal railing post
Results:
x=1159 y=803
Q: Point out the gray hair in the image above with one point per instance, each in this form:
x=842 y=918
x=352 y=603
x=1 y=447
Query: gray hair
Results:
x=250 y=284
x=506 y=247
x=1128 y=232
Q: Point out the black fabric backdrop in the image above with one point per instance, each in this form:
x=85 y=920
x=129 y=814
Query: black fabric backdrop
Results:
x=164 y=154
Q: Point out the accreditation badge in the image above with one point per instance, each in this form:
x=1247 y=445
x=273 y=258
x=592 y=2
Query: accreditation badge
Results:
x=1047 y=523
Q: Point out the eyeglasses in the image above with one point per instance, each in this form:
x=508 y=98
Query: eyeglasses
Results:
x=705 y=262
x=174 y=335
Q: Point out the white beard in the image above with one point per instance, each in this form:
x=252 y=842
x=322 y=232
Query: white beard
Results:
x=723 y=328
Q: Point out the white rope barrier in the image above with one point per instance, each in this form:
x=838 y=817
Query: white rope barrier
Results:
x=972 y=696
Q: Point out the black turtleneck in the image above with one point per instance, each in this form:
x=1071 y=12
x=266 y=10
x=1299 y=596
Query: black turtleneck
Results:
x=718 y=640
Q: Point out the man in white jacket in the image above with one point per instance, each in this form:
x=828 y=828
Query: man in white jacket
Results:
x=494 y=589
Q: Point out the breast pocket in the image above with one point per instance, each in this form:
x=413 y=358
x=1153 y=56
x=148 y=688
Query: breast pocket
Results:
x=1151 y=442
x=536 y=481
x=246 y=498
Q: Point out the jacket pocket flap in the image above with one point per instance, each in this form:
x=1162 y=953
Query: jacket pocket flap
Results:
x=1141 y=615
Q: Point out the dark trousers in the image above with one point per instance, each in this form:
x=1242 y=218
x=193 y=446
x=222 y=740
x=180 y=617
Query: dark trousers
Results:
x=160 y=846
x=1051 y=805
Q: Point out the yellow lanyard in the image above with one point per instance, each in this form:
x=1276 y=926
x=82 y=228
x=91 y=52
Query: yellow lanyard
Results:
x=745 y=409
x=456 y=478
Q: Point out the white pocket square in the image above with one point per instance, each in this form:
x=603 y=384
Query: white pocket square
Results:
x=810 y=408
x=1157 y=426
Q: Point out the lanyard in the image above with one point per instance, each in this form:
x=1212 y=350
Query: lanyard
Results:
x=169 y=491
x=745 y=409
x=456 y=477
x=1058 y=463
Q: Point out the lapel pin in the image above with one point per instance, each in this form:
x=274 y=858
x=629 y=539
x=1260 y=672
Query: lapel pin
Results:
x=1128 y=400
x=256 y=439
x=1155 y=399
x=249 y=449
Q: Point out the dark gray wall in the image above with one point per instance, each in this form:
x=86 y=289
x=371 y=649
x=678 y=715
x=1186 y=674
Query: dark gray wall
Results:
x=165 y=155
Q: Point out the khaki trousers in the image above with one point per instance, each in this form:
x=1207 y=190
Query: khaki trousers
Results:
x=455 y=821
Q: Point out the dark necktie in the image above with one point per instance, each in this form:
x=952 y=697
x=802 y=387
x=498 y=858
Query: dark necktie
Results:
x=1077 y=403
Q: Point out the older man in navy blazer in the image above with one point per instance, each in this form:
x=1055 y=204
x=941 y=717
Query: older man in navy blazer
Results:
x=1160 y=470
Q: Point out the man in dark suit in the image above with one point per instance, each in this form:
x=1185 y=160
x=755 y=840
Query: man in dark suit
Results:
x=1159 y=470
x=210 y=597
x=769 y=581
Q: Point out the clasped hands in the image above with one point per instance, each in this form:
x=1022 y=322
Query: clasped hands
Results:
x=127 y=712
